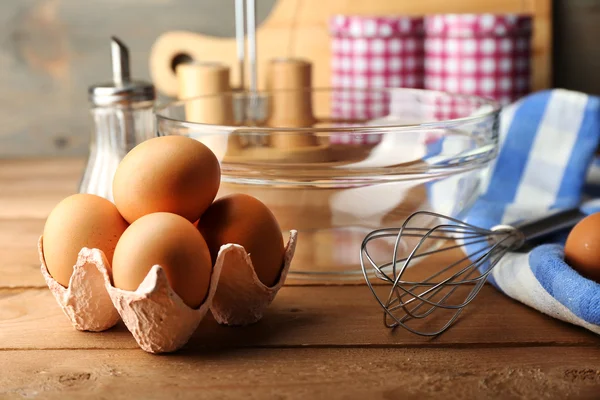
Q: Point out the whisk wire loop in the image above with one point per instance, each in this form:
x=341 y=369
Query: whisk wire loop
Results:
x=410 y=300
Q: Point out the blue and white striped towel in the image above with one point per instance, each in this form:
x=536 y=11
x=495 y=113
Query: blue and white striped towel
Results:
x=547 y=145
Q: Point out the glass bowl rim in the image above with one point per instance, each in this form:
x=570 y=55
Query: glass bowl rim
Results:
x=159 y=109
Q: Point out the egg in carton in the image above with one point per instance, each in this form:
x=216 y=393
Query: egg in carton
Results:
x=155 y=315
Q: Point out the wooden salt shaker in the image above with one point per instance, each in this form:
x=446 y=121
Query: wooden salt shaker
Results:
x=206 y=79
x=207 y=85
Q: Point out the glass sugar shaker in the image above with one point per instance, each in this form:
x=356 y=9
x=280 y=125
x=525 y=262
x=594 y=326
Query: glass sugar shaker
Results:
x=123 y=117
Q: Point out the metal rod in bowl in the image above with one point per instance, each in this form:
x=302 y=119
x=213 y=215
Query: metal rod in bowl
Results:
x=240 y=38
x=252 y=71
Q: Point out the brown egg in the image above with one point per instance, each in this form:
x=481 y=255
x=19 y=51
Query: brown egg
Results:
x=244 y=220
x=582 y=249
x=81 y=220
x=172 y=242
x=173 y=174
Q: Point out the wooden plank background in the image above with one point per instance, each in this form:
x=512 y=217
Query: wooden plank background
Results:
x=306 y=373
x=315 y=341
x=52 y=50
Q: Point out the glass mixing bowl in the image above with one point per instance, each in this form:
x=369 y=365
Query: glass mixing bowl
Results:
x=335 y=164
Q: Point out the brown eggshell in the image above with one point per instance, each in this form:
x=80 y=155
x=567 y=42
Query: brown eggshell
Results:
x=246 y=221
x=172 y=242
x=85 y=301
x=241 y=298
x=582 y=248
x=173 y=174
x=78 y=221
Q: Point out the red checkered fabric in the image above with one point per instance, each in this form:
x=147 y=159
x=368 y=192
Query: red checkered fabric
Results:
x=485 y=55
x=373 y=52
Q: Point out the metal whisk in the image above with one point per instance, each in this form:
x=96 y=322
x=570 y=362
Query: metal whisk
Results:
x=412 y=303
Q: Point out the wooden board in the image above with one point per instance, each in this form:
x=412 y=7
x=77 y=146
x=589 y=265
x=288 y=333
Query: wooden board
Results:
x=31 y=189
x=314 y=342
x=19 y=265
x=299 y=28
x=304 y=374
x=344 y=316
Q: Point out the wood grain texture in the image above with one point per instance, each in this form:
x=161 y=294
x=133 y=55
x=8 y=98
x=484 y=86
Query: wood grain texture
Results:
x=31 y=188
x=19 y=260
x=321 y=316
x=540 y=373
x=28 y=192
x=52 y=50
x=314 y=341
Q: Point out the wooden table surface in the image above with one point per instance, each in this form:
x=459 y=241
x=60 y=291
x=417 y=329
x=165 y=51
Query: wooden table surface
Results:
x=315 y=341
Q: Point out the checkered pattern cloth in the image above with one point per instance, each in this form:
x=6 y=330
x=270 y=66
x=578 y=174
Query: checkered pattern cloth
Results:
x=546 y=151
x=485 y=55
x=373 y=52
x=452 y=107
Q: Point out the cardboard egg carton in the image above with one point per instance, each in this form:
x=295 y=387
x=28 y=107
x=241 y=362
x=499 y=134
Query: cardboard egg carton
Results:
x=156 y=316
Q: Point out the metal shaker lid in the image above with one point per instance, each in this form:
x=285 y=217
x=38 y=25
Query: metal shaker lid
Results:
x=122 y=90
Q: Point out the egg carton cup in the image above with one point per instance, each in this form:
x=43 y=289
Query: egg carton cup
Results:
x=155 y=315
x=158 y=319
x=242 y=298
x=86 y=303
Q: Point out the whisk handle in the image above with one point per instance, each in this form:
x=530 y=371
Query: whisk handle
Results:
x=549 y=224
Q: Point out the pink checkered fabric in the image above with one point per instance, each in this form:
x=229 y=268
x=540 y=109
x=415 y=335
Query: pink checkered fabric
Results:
x=485 y=55
x=373 y=52
x=452 y=107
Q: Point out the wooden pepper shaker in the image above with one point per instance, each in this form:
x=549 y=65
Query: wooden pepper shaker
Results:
x=289 y=80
